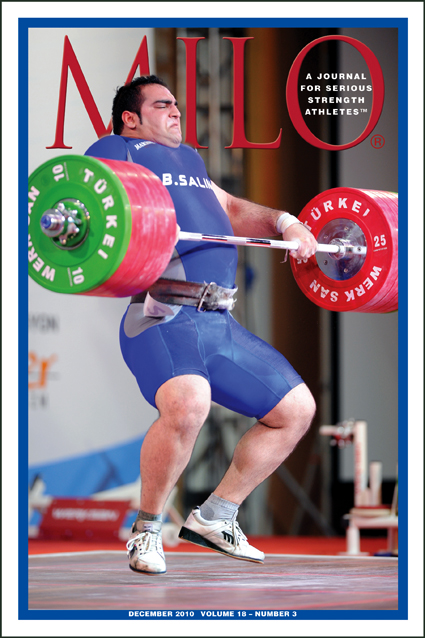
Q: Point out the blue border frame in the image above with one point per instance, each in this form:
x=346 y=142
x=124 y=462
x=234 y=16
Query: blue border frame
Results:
x=402 y=25
x=403 y=371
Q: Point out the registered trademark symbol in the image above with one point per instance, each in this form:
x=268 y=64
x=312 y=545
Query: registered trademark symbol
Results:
x=377 y=141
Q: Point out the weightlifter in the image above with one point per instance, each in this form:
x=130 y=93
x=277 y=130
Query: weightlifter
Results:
x=185 y=349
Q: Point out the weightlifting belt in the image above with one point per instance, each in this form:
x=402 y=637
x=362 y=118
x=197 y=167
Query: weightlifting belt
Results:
x=189 y=293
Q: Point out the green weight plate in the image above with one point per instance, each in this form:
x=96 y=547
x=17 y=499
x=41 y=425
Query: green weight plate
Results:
x=81 y=267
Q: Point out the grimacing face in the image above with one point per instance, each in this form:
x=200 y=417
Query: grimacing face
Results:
x=160 y=117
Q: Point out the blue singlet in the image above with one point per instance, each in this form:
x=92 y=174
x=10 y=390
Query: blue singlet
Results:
x=246 y=374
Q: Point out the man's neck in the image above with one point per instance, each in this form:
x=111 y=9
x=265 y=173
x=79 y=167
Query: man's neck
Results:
x=130 y=133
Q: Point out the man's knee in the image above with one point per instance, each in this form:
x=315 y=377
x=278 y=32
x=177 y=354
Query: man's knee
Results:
x=295 y=411
x=184 y=402
x=303 y=402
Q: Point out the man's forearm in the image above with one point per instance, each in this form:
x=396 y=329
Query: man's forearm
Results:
x=253 y=220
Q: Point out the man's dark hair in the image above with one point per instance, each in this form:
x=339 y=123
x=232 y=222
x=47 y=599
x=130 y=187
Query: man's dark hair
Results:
x=130 y=98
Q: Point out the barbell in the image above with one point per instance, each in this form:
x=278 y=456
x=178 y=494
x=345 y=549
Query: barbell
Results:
x=108 y=228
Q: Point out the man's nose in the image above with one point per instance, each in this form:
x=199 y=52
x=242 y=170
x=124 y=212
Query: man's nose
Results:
x=175 y=111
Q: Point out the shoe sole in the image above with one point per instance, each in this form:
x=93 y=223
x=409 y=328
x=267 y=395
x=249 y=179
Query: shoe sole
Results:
x=197 y=539
x=141 y=571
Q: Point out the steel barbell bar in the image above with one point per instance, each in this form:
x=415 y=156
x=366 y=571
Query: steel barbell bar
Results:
x=55 y=224
x=339 y=247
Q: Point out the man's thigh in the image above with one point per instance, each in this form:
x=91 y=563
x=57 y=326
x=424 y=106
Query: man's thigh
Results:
x=162 y=352
x=247 y=375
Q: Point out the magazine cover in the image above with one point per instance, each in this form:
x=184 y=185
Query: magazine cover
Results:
x=224 y=299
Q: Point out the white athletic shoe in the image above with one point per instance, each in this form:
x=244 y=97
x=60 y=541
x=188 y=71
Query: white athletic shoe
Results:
x=145 y=551
x=225 y=537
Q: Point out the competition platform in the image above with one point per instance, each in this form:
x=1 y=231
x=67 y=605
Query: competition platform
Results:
x=299 y=573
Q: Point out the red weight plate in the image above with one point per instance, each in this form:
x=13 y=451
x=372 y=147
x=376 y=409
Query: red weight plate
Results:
x=387 y=299
x=376 y=273
x=117 y=285
x=141 y=260
x=150 y=246
x=389 y=304
x=153 y=231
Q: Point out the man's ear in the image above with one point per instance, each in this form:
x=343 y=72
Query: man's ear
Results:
x=130 y=119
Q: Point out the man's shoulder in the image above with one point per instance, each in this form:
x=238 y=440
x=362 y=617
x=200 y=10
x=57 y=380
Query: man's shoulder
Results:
x=108 y=147
x=189 y=149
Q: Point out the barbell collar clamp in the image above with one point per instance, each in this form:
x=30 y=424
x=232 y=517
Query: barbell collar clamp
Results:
x=52 y=222
x=345 y=249
x=67 y=223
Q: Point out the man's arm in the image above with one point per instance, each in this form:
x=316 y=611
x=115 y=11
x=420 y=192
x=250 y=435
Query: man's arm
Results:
x=253 y=220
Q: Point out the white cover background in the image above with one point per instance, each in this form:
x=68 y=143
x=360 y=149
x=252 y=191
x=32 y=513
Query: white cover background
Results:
x=414 y=12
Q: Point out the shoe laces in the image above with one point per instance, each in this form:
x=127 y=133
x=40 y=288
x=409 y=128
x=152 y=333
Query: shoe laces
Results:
x=238 y=535
x=145 y=541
